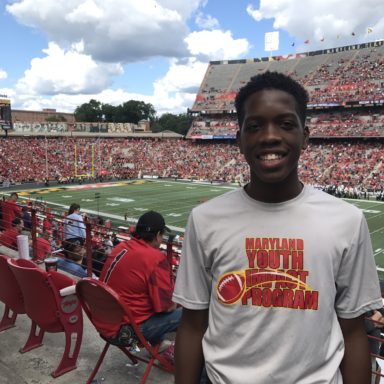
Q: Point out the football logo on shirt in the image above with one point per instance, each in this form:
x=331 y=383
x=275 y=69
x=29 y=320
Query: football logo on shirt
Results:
x=275 y=278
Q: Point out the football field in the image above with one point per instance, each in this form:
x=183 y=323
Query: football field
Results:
x=123 y=202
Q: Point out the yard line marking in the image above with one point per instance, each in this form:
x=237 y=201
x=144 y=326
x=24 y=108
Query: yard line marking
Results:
x=121 y=199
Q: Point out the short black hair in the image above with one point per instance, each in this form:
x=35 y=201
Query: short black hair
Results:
x=148 y=237
x=272 y=80
x=71 y=251
x=73 y=208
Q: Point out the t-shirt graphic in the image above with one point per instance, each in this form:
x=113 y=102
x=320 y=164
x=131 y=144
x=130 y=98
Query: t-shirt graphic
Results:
x=275 y=278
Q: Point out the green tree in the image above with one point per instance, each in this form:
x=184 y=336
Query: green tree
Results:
x=133 y=111
x=170 y=122
x=89 y=112
x=108 y=113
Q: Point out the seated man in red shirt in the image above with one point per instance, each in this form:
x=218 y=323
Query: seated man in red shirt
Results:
x=10 y=210
x=9 y=237
x=43 y=247
x=140 y=273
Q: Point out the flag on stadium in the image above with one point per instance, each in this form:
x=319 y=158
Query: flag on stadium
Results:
x=369 y=30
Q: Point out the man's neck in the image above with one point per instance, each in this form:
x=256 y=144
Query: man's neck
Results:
x=273 y=193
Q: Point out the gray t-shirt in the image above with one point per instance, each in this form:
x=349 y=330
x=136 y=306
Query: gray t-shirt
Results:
x=275 y=277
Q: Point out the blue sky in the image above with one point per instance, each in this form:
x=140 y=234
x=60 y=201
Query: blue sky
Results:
x=60 y=54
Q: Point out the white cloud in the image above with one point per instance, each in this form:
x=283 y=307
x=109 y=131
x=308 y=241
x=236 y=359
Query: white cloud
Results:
x=176 y=91
x=216 y=45
x=113 y=30
x=206 y=21
x=326 y=19
x=69 y=72
x=3 y=74
x=90 y=40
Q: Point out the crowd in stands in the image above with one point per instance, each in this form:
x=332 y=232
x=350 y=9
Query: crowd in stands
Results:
x=348 y=123
x=351 y=123
x=343 y=78
x=353 y=164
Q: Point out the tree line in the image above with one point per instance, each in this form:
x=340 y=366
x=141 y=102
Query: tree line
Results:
x=132 y=111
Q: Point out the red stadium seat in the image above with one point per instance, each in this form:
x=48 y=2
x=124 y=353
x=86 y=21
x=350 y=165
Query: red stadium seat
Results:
x=49 y=311
x=103 y=306
x=10 y=295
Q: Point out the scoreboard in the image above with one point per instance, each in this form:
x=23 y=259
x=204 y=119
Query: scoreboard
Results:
x=5 y=113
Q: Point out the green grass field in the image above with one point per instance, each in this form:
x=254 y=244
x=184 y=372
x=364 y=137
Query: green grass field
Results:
x=174 y=200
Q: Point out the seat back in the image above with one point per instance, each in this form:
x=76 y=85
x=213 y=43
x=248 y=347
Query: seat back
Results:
x=103 y=306
x=100 y=303
x=10 y=292
x=41 y=296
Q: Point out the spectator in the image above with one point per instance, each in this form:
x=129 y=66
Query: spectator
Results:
x=27 y=219
x=140 y=273
x=374 y=323
x=10 y=210
x=47 y=222
x=43 y=247
x=74 y=254
x=74 y=228
x=9 y=237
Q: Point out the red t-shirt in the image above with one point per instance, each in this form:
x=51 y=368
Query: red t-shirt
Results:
x=140 y=274
x=10 y=211
x=43 y=247
x=47 y=226
x=9 y=238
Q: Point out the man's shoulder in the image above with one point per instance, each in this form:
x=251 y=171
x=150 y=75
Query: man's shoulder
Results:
x=335 y=203
x=232 y=196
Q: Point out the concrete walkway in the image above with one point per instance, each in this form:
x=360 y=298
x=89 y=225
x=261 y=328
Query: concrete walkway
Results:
x=35 y=367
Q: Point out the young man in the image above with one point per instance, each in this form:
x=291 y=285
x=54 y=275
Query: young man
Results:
x=275 y=277
x=140 y=273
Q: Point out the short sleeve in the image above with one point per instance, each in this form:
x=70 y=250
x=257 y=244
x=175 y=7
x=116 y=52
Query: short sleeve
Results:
x=160 y=286
x=194 y=279
x=357 y=284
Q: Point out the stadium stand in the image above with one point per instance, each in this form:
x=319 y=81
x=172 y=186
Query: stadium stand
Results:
x=345 y=155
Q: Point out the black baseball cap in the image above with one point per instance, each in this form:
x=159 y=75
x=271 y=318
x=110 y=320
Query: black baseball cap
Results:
x=151 y=222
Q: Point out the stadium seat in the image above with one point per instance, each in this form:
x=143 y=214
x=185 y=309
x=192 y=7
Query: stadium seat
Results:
x=49 y=311
x=10 y=295
x=104 y=307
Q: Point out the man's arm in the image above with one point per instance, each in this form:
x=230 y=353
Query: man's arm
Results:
x=188 y=350
x=356 y=364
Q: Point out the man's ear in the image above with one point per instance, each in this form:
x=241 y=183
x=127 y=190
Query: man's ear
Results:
x=306 y=138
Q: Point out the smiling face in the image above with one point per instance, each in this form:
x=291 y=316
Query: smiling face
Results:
x=271 y=139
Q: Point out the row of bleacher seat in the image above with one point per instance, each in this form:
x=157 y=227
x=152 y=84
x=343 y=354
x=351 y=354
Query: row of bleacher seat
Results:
x=27 y=289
